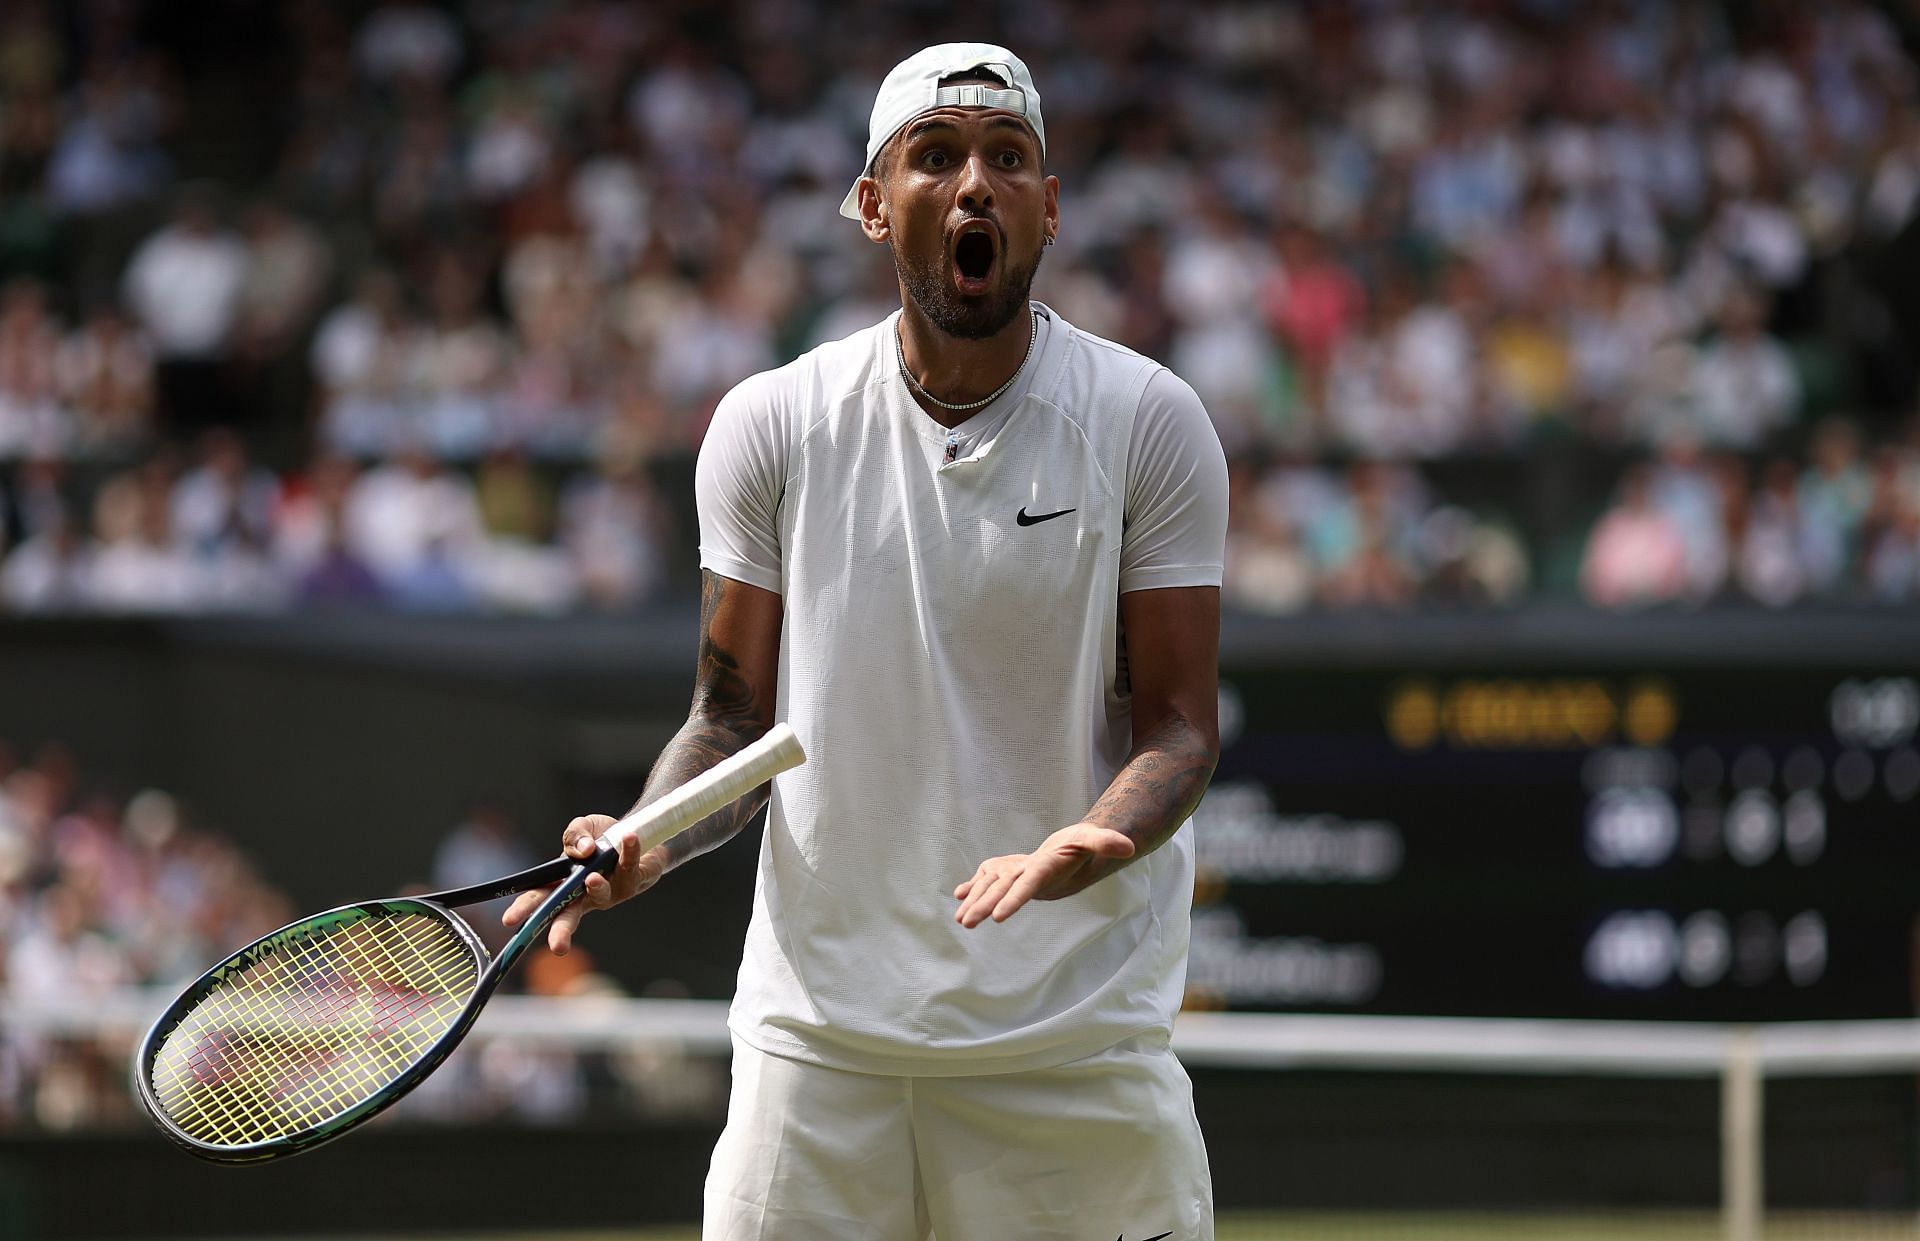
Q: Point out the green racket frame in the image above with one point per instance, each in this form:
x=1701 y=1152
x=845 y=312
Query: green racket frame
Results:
x=572 y=875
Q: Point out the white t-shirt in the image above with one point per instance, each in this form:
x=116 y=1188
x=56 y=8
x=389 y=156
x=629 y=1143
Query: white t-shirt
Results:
x=951 y=657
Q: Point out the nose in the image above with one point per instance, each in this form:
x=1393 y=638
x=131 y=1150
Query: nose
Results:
x=976 y=188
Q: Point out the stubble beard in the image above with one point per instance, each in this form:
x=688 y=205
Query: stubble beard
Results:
x=965 y=318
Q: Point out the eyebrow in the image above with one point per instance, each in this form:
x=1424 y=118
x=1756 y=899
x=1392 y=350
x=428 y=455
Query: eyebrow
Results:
x=932 y=123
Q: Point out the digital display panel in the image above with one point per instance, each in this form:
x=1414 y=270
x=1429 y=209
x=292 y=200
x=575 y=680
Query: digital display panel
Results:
x=1733 y=844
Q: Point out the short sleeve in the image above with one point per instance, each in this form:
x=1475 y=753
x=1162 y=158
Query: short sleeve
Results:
x=738 y=481
x=1175 y=529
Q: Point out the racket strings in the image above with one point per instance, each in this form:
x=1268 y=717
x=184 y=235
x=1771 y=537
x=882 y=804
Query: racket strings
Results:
x=322 y=1021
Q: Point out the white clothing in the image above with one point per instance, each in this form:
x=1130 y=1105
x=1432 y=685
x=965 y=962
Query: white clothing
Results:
x=395 y=517
x=1105 y=1146
x=1744 y=391
x=133 y=575
x=951 y=657
x=184 y=289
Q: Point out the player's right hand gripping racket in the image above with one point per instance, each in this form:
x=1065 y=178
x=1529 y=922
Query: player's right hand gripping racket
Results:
x=314 y=1029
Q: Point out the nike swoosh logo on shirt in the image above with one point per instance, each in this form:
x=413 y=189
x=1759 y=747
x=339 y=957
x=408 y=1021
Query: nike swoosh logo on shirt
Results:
x=1024 y=519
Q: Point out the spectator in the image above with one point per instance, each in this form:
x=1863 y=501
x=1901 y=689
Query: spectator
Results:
x=1463 y=560
x=408 y=44
x=614 y=529
x=1687 y=493
x=457 y=361
x=1312 y=303
x=59 y=955
x=515 y=502
x=136 y=563
x=32 y=418
x=1892 y=560
x=225 y=497
x=47 y=572
x=287 y=265
x=401 y=514
x=184 y=287
x=1832 y=499
x=39 y=500
x=108 y=154
x=335 y=576
x=1745 y=386
x=362 y=358
x=1635 y=557
x=311 y=513
x=435 y=579
x=106 y=378
x=1373 y=565
x=1267 y=568
x=1772 y=567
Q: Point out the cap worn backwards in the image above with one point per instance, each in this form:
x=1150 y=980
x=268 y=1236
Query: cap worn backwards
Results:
x=914 y=87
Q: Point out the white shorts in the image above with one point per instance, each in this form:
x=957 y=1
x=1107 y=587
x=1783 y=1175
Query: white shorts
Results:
x=1103 y=1147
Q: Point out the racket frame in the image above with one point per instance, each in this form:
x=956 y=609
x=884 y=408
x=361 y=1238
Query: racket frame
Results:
x=572 y=875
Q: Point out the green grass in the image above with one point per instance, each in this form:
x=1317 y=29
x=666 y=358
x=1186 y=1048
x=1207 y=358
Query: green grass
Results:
x=1403 y=1226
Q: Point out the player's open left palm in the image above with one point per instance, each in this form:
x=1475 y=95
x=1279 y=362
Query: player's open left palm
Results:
x=1065 y=862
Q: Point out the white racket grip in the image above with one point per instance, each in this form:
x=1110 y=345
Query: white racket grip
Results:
x=729 y=779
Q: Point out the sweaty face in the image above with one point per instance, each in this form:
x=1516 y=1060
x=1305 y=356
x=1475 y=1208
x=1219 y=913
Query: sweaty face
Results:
x=969 y=208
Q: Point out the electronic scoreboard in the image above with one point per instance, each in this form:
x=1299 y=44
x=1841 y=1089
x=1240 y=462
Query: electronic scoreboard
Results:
x=1724 y=844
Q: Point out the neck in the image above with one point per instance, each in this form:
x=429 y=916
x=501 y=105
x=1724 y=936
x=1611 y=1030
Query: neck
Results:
x=956 y=370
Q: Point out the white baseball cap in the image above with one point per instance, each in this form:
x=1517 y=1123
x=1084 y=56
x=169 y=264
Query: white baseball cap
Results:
x=914 y=87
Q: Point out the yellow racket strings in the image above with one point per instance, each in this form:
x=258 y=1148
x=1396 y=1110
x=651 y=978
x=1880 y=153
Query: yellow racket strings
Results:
x=318 y=1024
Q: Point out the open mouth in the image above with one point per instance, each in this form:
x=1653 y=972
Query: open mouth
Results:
x=974 y=253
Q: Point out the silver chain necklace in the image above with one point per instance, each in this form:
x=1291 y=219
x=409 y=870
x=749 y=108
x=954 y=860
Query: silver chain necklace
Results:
x=900 y=353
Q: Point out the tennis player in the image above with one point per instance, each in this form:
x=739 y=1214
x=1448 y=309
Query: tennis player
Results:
x=973 y=555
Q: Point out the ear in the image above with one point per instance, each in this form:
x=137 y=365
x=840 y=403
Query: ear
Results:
x=873 y=211
x=1053 y=208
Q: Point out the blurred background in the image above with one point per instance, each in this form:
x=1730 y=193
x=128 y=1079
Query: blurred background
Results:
x=354 y=357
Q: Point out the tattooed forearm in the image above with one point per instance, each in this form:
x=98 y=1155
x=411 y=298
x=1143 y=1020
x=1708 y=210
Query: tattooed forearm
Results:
x=727 y=714
x=1158 y=788
x=694 y=749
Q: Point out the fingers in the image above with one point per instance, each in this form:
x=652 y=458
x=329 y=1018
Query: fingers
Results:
x=597 y=893
x=1060 y=867
x=1018 y=893
x=629 y=865
x=523 y=904
x=560 y=934
x=583 y=834
x=579 y=840
x=982 y=892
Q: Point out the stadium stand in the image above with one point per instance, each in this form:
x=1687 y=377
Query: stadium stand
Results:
x=1484 y=299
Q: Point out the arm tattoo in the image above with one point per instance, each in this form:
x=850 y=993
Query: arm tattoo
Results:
x=726 y=716
x=1158 y=788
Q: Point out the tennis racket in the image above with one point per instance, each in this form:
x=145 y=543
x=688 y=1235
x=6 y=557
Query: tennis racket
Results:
x=303 y=1035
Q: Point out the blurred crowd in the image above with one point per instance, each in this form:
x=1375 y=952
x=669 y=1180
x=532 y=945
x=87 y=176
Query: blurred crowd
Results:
x=499 y=241
x=217 y=531
x=99 y=892
x=1690 y=526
